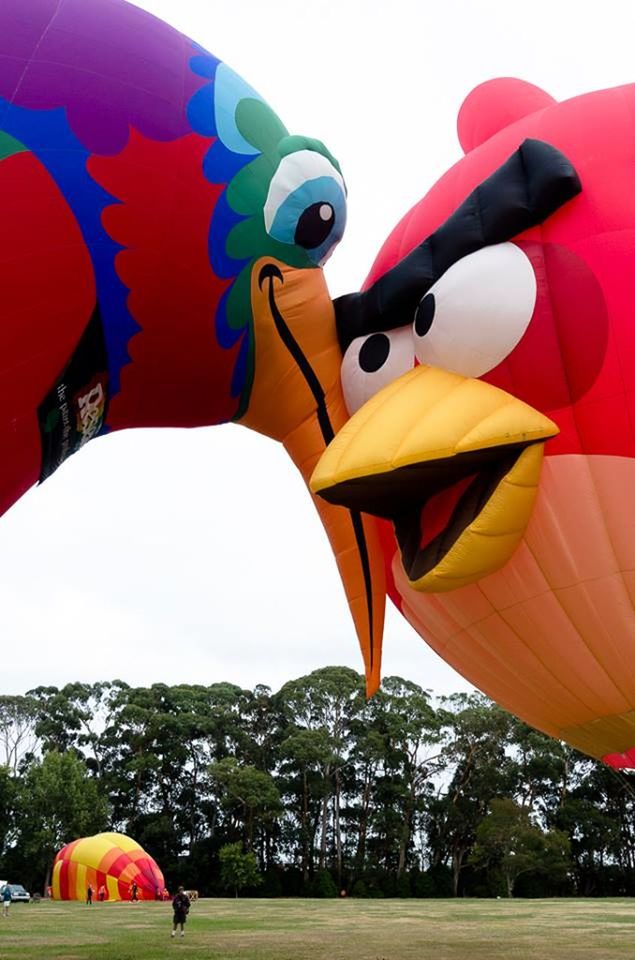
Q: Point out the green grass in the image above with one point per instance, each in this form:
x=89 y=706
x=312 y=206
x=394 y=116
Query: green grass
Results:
x=325 y=930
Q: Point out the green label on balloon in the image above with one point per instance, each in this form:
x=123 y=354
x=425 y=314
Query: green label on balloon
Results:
x=74 y=410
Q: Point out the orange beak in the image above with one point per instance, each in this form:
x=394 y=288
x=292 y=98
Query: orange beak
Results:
x=297 y=399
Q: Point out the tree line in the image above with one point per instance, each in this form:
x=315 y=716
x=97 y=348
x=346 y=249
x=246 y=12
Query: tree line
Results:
x=312 y=790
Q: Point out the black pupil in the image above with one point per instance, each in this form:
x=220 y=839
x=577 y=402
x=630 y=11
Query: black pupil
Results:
x=374 y=352
x=314 y=225
x=424 y=315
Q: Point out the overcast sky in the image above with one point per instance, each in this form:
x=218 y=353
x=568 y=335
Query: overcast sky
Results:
x=196 y=556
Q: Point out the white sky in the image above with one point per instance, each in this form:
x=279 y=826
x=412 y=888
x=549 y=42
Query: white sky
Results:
x=130 y=562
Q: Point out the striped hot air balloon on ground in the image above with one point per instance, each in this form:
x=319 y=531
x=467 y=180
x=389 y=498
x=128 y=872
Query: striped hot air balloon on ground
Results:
x=111 y=860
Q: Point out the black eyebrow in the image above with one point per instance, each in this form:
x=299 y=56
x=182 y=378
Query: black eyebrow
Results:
x=527 y=188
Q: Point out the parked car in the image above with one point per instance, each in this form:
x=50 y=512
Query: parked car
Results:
x=18 y=893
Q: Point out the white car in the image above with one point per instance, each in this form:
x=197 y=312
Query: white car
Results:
x=18 y=893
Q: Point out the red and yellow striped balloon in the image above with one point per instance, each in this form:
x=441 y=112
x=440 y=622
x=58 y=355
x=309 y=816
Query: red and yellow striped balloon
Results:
x=111 y=860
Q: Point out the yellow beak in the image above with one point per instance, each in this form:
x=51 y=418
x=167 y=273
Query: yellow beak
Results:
x=453 y=462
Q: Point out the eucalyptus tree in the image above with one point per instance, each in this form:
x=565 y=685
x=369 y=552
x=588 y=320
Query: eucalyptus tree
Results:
x=397 y=754
x=599 y=816
x=74 y=717
x=545 y=770
x=8 y=795
x=250 y=796
x=18 y=736
x=478 y=768
x=318 y=711
x=507 y=839
x=58 y=801
x=304 y=757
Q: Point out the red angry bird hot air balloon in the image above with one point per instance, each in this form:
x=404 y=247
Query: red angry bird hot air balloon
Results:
x=491 y=362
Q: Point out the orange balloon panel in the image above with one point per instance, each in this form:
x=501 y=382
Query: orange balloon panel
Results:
x=109 y=860
x=546 y=635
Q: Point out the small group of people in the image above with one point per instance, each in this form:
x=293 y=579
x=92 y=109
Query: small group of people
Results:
x=180 y=903
x=101 y=894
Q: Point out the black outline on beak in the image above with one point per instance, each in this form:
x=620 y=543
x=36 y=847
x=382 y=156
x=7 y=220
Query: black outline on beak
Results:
x=271 y=272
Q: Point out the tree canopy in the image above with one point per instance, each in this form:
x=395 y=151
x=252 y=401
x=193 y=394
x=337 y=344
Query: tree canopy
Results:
x=320 y=789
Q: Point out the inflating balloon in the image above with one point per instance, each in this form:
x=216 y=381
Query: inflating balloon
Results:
x=111 y=861
x=492 y=358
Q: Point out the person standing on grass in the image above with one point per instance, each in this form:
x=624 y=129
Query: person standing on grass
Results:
x=6 y=901
x=133 y=891
x=181 y=907
x=89 y=895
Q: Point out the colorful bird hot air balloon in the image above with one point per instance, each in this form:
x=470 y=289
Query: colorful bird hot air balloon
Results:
x=160 y=258
x=491 y=361
x=110 y=860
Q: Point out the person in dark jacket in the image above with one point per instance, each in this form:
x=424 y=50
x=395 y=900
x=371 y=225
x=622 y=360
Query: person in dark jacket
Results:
x=6 y=901
x=89 y=895
x=181 y=907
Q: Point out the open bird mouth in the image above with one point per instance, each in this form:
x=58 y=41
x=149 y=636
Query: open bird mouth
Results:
x=454 y=463
x=436 y=505
x=456 y=491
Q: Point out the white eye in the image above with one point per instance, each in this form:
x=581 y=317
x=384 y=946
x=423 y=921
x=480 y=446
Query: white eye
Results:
x=477 y=312
x=306 y=204
x=374 y=361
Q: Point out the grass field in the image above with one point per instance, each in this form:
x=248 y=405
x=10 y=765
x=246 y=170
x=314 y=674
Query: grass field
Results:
x=325 y=930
